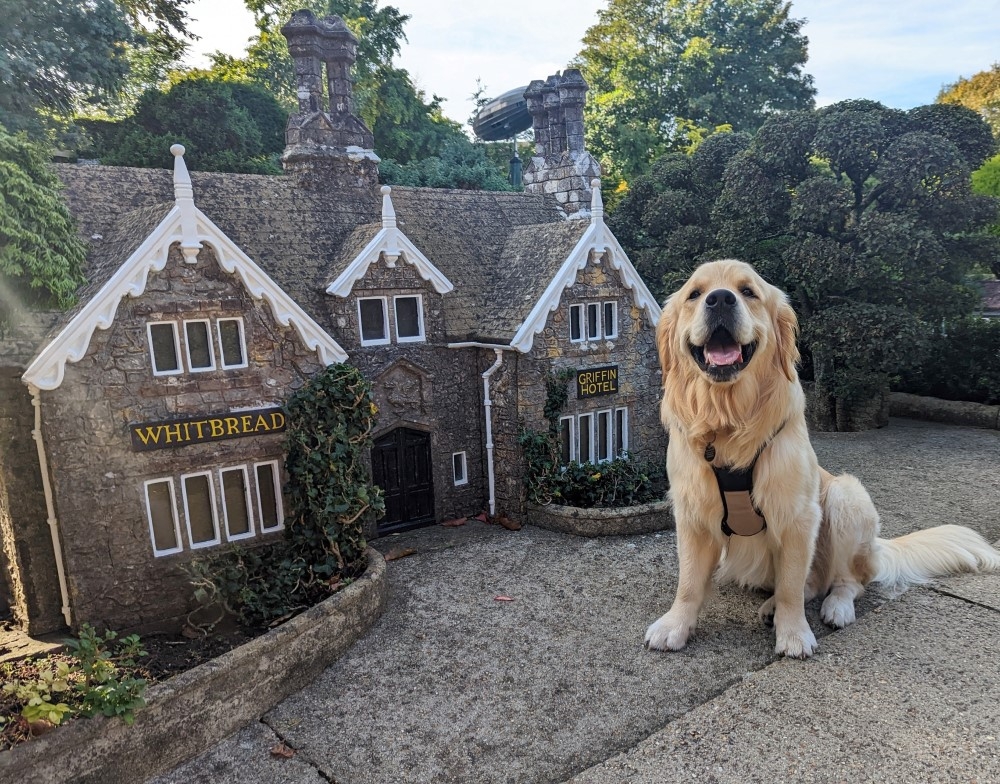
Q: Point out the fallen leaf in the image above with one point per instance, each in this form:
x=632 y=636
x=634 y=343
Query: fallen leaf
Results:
x=283 y=751
x=40 y=727
x=398 y=552
x=192 y=633
x=455 y=523
x=502 y=598
x=482 y=517
x=510 y=525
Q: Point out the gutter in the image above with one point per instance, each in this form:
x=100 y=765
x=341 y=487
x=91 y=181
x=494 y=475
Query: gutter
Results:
x=498 y=349
x=50 y=507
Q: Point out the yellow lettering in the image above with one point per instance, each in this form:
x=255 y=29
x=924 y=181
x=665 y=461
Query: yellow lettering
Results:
x=217 y=429
x=172 y=432
x=277 y=420
x=260 y=424
x=234 y=426
x=245 y=422
x=187 y=431
x=198 y=427
x=146 y=434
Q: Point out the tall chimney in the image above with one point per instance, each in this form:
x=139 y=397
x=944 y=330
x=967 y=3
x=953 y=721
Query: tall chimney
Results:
x=561 y=165
x=326 y=145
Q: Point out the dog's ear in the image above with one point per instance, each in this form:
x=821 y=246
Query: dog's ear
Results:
x=665 y=336
x=786 y=330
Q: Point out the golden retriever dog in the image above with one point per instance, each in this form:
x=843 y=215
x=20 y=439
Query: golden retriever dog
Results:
x=732 y=400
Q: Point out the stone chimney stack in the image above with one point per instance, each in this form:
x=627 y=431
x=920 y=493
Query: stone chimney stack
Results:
x=561 y=165
x=326 y=145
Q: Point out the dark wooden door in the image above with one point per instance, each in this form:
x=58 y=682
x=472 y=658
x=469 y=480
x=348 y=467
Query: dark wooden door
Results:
x=401 y=466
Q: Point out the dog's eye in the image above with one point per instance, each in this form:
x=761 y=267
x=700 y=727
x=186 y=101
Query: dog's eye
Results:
x=746 y=291
x=694 y=294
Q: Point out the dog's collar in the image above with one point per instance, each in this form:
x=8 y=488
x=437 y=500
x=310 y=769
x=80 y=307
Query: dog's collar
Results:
x=740 y=514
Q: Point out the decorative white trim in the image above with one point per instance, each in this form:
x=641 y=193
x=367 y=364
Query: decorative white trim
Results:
x=391 y=242
x=46 y=371
x=599 y=241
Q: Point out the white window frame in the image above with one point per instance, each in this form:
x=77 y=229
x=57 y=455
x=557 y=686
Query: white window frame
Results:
x=596 y=308
x=187 y=510
x=580 y=321
x=208 y=339
x=572 y=437
x=177 y=349
x=610 y=331
x=589 y=416
x=173 y=508
x=622 y=436
x=607 y=456
x=463 y=461
x=278 y=500
x=243 y=342
x=251 y=532
x=420 y=337
x=385 y=323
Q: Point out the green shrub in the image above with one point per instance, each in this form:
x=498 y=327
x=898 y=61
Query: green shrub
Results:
x=329 y=499
x=963 y=364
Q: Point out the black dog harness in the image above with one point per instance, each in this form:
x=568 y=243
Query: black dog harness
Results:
x=740 y=516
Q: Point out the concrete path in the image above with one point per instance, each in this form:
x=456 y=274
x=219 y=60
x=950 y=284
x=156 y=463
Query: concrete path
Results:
x=455 y=685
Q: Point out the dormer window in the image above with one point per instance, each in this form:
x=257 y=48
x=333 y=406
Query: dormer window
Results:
x=593 y=321
x=407 y=318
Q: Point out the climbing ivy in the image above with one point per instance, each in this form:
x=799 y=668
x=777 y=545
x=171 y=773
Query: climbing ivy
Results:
x=41 y=255
x=329 y=497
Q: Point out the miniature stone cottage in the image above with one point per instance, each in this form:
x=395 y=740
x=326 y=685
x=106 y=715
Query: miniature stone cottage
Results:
x=145 y=425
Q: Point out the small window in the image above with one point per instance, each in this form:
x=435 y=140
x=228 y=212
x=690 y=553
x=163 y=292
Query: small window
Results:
x=593 y=321
x=374 y=321
x=161 y=511
x=199 y=509
x=610 y=319
x=163 y=348
x=576 y=323
x=409 y=318
x=586 y=450
x=604 y=436
x=236 y=503
x=198 y=341
x=459 y=468
x=621 y=431
x=567 y=441
x=232 y=343
x=269 y=509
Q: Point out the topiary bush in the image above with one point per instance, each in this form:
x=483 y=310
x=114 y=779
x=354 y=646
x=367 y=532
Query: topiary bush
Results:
x=329 y=495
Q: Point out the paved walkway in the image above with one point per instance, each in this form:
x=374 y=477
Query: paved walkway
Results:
x=452 y=685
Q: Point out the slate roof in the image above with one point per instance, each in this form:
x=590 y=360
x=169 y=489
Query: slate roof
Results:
x=500 y=250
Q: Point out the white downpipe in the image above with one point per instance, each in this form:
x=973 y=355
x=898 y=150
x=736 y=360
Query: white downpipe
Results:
x=488 y=405
x=50 y=507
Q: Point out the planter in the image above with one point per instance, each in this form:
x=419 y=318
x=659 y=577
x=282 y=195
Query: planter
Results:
x=952 y=412
x=620 y=521
x=194 y=710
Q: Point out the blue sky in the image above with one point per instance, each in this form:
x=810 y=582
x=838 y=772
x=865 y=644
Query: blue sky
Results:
x=900 y=52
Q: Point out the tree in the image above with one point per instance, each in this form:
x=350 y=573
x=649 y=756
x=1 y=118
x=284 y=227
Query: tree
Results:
x=864 y=214
x=661 y=71
x=980 y=92
x=41 y=256
x=459 y=164
x=224 y=126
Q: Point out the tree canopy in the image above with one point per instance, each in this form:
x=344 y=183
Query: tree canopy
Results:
x=661 y=71
x=41 y=256
x=864 y=214
x=980 y=92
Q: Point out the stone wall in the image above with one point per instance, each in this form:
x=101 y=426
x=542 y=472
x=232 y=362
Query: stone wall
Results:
x=28 y=583
x=115 y=579
x=421 y=385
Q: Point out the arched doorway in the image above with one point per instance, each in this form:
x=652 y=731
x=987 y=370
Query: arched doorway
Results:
x=401 y=466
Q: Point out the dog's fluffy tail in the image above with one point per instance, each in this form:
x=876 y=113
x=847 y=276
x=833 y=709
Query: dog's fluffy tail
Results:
x=933 y=552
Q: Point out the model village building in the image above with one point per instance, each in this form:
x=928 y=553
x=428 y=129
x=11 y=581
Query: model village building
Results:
x=145 y=425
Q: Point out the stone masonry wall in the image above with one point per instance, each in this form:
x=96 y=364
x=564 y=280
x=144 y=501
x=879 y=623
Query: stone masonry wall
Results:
x=633 y=351
x=115 y=579
x=421 y=385
x=28 y=583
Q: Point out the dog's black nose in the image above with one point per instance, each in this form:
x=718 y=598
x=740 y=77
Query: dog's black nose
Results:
x=720 y=299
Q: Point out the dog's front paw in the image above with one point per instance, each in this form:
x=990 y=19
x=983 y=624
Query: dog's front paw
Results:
x=766 y=612
x=838 y=611
x=796 y=642
x=669 y=633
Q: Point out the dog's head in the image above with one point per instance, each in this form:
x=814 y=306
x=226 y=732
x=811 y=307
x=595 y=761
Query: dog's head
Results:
x=726 y=323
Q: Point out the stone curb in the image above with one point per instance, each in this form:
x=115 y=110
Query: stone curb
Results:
x=951 y=412
x=621 y=521
x=192 y=711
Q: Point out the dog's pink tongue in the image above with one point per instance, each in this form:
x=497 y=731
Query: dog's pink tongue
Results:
x=728 y=355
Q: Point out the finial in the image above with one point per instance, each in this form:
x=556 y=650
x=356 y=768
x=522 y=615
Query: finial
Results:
x=596 y=202
x=184 y=200
x=388 y=212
